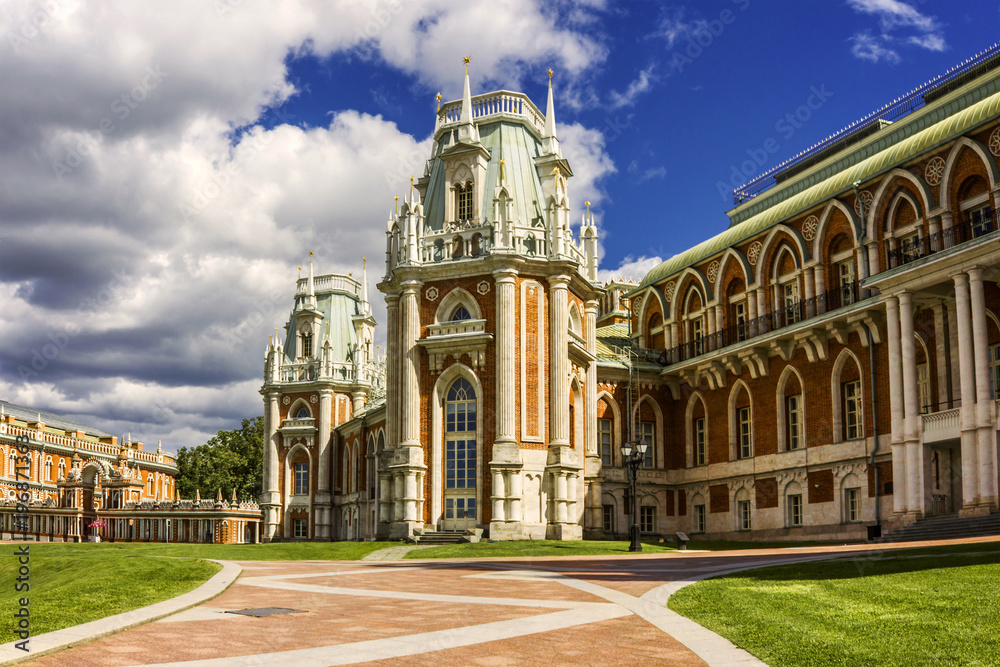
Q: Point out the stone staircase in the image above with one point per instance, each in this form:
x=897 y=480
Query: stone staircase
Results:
x=946 y=527
x=437 y=537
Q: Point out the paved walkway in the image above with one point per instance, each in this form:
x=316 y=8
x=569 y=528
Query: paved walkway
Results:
x=539 y=611
x=394 y=553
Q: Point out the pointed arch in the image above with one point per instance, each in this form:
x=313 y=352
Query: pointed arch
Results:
x=949 y=166
x=700 y=283
x=575 y=323
x=783 y=407
x=734 y=434
x=577 y=414
x=657 y=435
x=926 y=197
x=450 y=303
x=297 y=406
x=730 y=256
x=694 y=400
x=616 y=426
x=826 y=216
x=898 y=198
x=774 y=238
x=651 y=296
x=845 y=357
x=436 y=464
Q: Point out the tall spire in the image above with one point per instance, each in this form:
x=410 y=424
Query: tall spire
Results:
x=365 y=308
x=310 y=289
x=550 y=144
x=467 y=131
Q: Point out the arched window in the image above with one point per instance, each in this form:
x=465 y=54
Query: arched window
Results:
x=790 y=411
x=697 y=431
x=460 y=455
x=48 y=468
x=461 y=313
x=149 y=484
x=848 y=398
x=740 y=422
x=301 y=479
x=12 y=467
x=307 y=345
x=463 y=202
x=794 y=506
x=303 y=413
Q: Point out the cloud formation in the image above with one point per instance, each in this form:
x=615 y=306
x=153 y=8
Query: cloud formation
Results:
x=894 y=16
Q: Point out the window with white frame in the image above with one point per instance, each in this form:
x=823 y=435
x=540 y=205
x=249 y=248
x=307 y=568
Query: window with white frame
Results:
x=699 y=518
x=852 y=504
x=647 y=519
x=994 y=370
x=301 y=479
x=463 y=202
x=845 y=281
x=700 y=446
x=48 y=468
x=608 y=517
x=744 y=446
x=698 y=336
x=307 y=345
x=790 y=300
x=740 y=310
x=793 y=409
x=853 y=427
x=923 y=388
x=300 y=528
x=743 y=515
x=604 y=438
x=795 y=510
x=981 y=217
x=646 y=431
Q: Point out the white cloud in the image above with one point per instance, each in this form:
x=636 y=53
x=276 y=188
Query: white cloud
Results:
x=636 y=88
x=630 y=268
x=653 y=172
x=894 y=16
x=127 y=209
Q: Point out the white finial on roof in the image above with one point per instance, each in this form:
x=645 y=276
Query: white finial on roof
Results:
x=365 y=308
x=550 y=143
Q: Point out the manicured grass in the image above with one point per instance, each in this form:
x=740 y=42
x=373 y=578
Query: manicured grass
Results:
x=68 y=588
x=487 y=549
x=910 y=607
x=271 y=551
x=725 y=545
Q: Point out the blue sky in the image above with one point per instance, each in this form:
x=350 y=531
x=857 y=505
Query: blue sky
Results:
x=166 y=167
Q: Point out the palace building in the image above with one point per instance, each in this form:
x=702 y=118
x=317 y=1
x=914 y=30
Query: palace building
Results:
x=61 y=480
x=827 y=363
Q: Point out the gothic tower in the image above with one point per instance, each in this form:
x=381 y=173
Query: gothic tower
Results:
x=491 y=309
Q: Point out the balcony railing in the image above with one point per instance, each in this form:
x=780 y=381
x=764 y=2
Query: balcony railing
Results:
x=770 y=322
x=958 y=233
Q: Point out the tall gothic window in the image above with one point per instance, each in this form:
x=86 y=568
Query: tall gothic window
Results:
x=301 y=479
x=463 y=202
x=307 y=345
x=460 y=455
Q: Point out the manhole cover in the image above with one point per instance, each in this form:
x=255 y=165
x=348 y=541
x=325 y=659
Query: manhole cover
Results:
x=265 y=611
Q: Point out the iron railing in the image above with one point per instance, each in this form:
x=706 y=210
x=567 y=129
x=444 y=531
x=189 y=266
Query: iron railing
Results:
x=960 y=232
x=773 y=321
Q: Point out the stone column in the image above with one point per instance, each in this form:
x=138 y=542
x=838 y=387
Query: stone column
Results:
x=410 y=402
x=934 y=229
x=941 y=353
x=874 y=261
x=819 y=272
x=896 y=406
x=592 y=464
x=558 y=361
x=271 y=499
x=947 y=222
x=499 y=496
x=809 y=283
x=392 y=370
x=915 y=491
x=761 y=310
x=505 y=320
x=752 y=312
x=967 y=373
x=710 y=332
x=984 y=405
x=323 y=474
x=514 y=493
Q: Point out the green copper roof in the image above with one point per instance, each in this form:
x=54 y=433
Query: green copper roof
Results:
x=337 y=311
x=517 y=147
x=890 y=152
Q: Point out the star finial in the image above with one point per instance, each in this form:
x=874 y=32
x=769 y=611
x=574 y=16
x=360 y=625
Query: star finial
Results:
x=467 y=60
x=438 y=98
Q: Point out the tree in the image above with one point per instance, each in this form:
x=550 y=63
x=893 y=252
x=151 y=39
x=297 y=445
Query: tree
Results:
x=229 y=460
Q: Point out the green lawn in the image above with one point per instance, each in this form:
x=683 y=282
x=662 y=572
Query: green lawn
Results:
x=270 y=551
x=912 y=607
x=71 y=588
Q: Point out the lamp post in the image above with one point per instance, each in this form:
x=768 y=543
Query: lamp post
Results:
x=633 y=455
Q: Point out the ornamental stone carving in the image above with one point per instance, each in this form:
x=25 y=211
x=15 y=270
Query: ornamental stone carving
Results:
x=934 y=171
x=483 y=287
x=809 y=227
x=668 y=290
x=995 y=142
x=313 y=398
x=286 y=400
x=753 y=252
x=865 y=198
x=431 y=294
x=713 y=271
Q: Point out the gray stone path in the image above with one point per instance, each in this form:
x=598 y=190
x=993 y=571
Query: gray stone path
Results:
x=394 y=553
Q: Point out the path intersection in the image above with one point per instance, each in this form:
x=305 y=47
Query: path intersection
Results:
x=608 y=610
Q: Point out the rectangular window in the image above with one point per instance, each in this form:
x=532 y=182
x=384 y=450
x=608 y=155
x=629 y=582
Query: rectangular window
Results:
x=699 y=518
x=994 y=370
x=743 y=514
x=795 y=510
x=646 y=435
x=604 y=436
x=790 y=297
x=982 y=220
x=853 y=428
x=697 y=335
x=608 y=516
x=301 y=479
x=923 y=388
x=845 y=273
x=647 y=519
x=307 y=345
x=910 y=247
x=741 y=321
x=700 y=452
x=852 y=501
x=465 y=202
x=745 y=444
x=300 y=528
x=794 y=411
